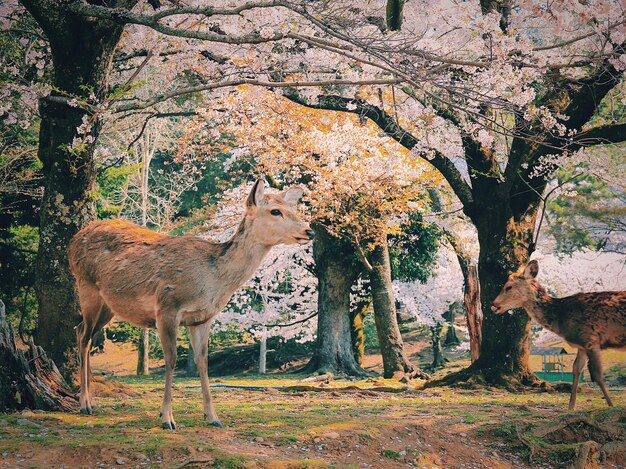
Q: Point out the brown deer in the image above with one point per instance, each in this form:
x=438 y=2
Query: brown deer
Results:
x=590 y=322
x=159 y=281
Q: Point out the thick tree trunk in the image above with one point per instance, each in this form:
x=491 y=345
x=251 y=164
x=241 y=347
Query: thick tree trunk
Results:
x=506 y=243
x=395 y=362
x=28 y=379
x=82 y=49
x=336 y=274
x=505 y=338
x=143 y=352
x=66 y=208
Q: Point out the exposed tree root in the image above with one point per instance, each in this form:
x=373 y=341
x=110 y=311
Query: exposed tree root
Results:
x=414 y=373
x=475 y=377
x=344 y=369
x=583 y=440
x=28 y=378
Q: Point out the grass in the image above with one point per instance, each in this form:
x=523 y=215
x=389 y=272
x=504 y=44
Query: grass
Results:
x=279 y=426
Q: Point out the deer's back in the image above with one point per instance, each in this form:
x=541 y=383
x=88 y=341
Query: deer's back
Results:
x=134 y=268
x=594 y=318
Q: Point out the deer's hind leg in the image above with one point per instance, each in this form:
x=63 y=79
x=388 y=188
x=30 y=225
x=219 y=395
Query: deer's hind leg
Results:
x=200 y=342
x=96 y=314
x=595 y=369
x=167 y=333
x=579 y=364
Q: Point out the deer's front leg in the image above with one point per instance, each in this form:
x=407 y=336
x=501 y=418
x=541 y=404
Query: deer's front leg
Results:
x=595 y=370
x=579 y=364
x=167 y=333
x=200 y=342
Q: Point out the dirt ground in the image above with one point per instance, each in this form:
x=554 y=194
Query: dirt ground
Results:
x=278 y=421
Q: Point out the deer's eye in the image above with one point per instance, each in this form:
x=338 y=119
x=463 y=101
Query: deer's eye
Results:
x=276 y=212
x=508 y=288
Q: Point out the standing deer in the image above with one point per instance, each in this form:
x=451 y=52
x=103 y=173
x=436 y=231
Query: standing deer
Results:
x=590 y=322
x=160 y=281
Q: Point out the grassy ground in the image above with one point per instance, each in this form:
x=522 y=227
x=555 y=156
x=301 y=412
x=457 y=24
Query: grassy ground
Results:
x=327 y=425
x=272 y=428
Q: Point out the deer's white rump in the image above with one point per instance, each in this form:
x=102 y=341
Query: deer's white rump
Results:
x=163 y=282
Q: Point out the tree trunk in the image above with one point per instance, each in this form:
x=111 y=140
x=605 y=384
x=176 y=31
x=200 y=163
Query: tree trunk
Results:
x=449 y=316
x=357 y=316
x=29 y=379
x=506 y=242
x=473 y=312
x=505 y=342
x=263 y=355
x=438 y=360
x=336 y=274
x=66 y=208
x=82 y=49
x=143 y=351
x=395 y=362
x=471 y=296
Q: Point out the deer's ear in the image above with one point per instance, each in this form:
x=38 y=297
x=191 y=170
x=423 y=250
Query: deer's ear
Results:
x=532 y=269
x=256 y=194
x=292 y=195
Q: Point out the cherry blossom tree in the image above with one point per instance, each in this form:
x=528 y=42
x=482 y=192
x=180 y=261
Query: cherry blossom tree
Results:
x=362 y=188
x=495 y=98
x=491 y=96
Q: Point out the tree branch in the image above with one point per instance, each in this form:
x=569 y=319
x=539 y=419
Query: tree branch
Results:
x=392 y=129
x=610 y=133
x=361 y=254
x=248 y=81
x=123 y=16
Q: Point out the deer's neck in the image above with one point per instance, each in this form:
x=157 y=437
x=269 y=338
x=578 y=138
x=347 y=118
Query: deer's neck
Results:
x=241 y=257
x=545 y=310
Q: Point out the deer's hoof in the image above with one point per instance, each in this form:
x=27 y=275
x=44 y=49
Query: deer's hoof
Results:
x=86 y=411
x=169 y=425
x=217 y=423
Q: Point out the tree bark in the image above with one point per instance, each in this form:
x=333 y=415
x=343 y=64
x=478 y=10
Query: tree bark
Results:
x=336 y=273
x=82 y=49
x=357 y=331
x=263 y=355
x=473 y=311
x=395 y=362
x=143 y=351
x=505 y=343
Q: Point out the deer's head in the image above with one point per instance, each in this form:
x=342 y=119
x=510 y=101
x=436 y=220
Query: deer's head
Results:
x=519 y=290
x=273 y=218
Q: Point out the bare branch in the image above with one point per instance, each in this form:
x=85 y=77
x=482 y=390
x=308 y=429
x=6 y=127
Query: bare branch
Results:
x=247 y=81
x=361 y=254
x=610 y=133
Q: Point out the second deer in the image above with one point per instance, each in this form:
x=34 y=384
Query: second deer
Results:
x=591 y=322
x=160 y=281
